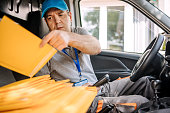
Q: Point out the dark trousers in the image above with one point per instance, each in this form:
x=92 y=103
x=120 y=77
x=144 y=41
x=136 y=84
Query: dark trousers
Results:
x=124 y=91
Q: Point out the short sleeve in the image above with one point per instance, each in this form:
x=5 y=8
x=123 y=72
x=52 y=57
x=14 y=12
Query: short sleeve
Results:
x=80 y=30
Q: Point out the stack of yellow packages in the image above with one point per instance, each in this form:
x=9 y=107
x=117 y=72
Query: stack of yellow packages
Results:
x=43 y=95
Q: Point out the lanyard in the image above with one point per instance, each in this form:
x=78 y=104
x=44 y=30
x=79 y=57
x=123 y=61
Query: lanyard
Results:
x=76 y=63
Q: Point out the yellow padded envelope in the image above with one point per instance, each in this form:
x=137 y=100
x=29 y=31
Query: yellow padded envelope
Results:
x=43 y=95
x=19 y=49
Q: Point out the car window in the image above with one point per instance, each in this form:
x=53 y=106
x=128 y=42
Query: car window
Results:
x=117 y=25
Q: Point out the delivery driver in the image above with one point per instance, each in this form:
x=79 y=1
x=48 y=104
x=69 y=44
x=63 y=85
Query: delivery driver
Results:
x=72 y=60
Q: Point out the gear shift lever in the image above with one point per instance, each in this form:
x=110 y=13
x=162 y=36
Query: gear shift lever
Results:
x=156 y=86
x=156 y=104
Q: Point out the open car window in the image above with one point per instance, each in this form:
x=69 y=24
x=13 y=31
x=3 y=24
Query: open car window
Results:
x=117 y=25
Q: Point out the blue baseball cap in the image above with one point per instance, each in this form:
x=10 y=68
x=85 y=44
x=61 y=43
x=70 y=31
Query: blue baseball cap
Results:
x=59 y=4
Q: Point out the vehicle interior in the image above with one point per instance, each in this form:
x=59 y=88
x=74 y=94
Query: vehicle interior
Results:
x=152 y=59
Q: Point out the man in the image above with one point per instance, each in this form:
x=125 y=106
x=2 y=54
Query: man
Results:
x=64 y=65
x=72 y=60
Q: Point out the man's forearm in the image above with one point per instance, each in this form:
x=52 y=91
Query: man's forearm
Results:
x=85 y=43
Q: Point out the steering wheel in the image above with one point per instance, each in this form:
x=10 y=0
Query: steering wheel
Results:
x=142 y=65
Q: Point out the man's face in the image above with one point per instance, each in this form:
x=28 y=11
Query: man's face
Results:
x=58 y=20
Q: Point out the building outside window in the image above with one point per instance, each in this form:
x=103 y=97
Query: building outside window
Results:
x=117 y=25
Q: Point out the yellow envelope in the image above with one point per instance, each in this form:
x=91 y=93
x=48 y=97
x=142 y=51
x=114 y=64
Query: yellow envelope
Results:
x=47 y=97
x=19 y=49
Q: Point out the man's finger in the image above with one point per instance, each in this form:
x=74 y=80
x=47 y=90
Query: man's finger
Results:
x=57 y=44
x=53 y=41
x=46 y=39
x=61 y=47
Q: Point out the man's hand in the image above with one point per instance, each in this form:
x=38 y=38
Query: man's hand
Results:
x=56 y=38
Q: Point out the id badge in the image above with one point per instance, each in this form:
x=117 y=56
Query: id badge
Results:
x=80 y=83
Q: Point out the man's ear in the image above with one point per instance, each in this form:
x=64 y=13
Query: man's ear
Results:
x=45 y=20
x=70 y=15
x=46 y=23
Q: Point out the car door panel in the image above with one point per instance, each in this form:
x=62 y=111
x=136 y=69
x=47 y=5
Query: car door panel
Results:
x=116 y=64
